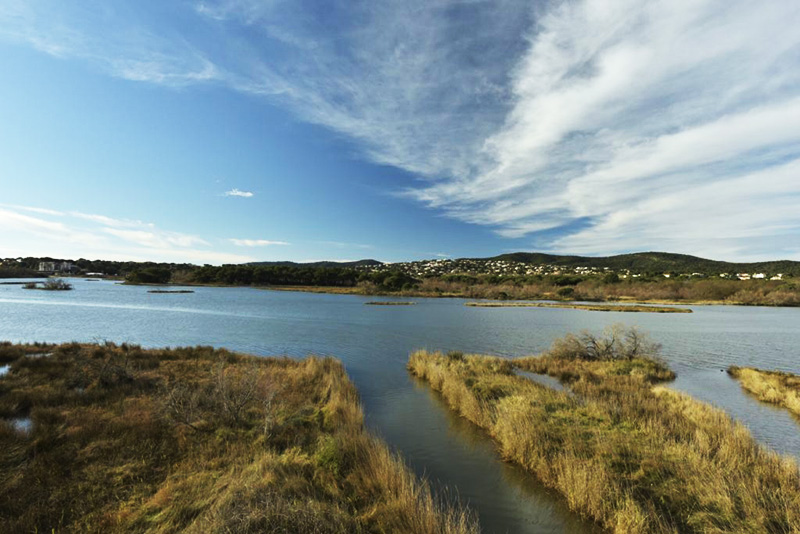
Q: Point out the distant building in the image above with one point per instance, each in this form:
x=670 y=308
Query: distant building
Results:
x=743 y=276
x=778 y=276
x=759 y=276
x=56 y=267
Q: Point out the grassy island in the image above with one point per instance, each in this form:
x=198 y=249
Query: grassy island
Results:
x=633 y=456
x=587 y=307
x=121 y=439
x=774 y=387
x=50 y=285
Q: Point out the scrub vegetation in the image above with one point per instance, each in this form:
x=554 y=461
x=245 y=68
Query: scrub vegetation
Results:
x=197 y=440
x=774 y=387
x=55 y=284
x=654 y=289
x=625 y=452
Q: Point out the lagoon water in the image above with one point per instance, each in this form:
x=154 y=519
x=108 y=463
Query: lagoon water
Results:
x=374 y=343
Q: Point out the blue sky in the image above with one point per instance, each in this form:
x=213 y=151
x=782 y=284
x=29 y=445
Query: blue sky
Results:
x=241 y=130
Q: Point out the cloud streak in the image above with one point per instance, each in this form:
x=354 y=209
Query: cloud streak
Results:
x=74 y=234
x=590 y=126
x=256 y=242
x=238 y=193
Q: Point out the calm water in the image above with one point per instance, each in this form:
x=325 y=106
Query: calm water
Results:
x=374 y=343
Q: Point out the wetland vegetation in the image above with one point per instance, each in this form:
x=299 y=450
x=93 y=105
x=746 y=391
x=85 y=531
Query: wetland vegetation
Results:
x=587 y=307
x=53 y=284
x=622 y=449
x=774 y=387
x=121 y=439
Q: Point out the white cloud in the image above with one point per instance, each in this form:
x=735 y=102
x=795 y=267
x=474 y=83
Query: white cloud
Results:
x=626 y=113
x=237 y=193
x=73 y=235
x=110 y=221
x=32 y=209
x=157 y=239
x=344 y=244
x=255 y=242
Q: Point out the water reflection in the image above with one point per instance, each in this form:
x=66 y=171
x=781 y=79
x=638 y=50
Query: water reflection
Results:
x=512 y=500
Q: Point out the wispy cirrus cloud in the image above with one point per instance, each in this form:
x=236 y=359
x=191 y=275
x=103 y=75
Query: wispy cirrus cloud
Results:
x=591 y=126
x=75 y=234
x=238 y=193
x=256 y=242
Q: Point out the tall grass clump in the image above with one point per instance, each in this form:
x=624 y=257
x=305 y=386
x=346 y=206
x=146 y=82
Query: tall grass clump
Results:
x=633 y=456
x=198 y=440
x=774 y=387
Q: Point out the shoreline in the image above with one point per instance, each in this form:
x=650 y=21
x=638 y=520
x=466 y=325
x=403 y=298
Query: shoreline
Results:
x=369 y=292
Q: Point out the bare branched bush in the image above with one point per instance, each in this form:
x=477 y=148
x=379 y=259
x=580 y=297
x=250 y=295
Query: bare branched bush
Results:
x=235 y=390
x=182 y=405
x=617 y=342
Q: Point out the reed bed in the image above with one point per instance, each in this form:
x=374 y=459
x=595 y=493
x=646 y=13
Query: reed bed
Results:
x=198 y=440
x=631 y=455
x=774 y=387
x=587 y=307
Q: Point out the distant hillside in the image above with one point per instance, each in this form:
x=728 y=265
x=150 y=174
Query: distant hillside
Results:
x=656 y=262
x=332 y=264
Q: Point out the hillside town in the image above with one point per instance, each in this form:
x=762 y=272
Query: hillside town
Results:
x=476 y=267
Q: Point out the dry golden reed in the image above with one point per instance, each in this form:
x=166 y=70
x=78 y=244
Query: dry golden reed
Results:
x=774 y=387
x=198 y=440
x=634 y=457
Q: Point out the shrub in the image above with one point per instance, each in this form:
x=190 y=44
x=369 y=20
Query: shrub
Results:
x=617 y=343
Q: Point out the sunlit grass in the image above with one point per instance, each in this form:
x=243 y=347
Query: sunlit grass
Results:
x=774 y=387
x=634 y=457
x=197 y=440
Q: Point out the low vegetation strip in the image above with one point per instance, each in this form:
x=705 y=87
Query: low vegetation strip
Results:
x=49 y=285
x=588 y=307
x=633 y=456
x=390 y=303
x=774 y=387
x=122 y=439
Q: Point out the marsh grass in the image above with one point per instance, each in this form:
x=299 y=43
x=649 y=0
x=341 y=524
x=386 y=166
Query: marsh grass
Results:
x=634 y=457
x=774 y=387
x=198 y=440
x=587 y=307
x=53 y=284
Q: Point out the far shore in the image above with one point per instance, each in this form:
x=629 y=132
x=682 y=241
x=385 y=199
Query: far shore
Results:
x=415 y=293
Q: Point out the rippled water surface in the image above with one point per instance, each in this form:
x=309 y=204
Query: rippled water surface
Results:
x=374 y=343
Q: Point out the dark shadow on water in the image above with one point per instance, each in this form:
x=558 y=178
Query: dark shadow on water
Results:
x=772 y=425
x=545 y=380
x=506 y=498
